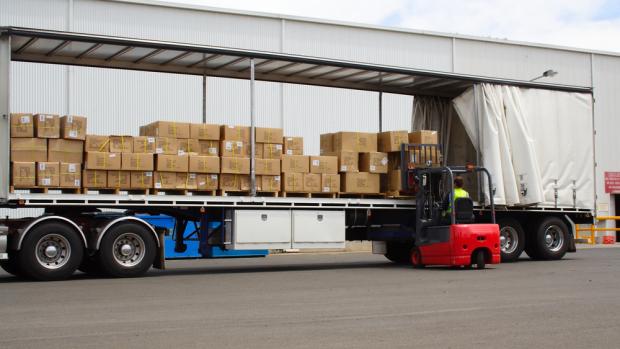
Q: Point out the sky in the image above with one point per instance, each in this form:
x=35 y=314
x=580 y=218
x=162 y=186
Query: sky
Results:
x=591 y=24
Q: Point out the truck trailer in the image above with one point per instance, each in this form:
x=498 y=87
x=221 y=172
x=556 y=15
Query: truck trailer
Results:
x=527 y=135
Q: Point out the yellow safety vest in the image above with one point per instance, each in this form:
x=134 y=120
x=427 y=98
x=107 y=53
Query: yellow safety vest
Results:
x=458 y=193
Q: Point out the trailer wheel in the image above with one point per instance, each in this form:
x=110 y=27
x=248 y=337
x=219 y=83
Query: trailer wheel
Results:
x=551 y=239
x=50 y=251
x=127 y=250
x=398 y=252
x=90 y=266
x=512 y=239
x=11 y=265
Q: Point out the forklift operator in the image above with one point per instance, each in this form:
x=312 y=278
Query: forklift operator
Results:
x=449 y=199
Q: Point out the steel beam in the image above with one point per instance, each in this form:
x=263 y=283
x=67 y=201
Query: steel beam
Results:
x=5 y=109
x=252 y=129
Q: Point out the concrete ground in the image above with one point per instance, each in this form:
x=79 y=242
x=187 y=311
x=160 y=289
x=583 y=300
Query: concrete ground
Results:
x=352 y=300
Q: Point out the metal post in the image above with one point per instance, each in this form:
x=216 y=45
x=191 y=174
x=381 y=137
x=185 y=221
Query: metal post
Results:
x=252 y=130
x=380 y=111
x=204 y=99
x=478 y=151
x=5 y=75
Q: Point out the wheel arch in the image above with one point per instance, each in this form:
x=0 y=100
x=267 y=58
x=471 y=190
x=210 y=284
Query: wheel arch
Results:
x=23 y=232
x=488 y=254
x=112 y=223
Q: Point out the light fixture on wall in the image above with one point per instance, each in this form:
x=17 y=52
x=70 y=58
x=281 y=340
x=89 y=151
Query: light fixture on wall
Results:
x=546 y=74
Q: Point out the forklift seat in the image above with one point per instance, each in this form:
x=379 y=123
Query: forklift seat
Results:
x=464 y=210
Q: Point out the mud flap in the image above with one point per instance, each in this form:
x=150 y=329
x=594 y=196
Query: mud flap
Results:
x=160 y=258
x=571 y=236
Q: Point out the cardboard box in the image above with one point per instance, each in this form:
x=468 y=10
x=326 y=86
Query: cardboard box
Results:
x=48 y=174
x=293 y=182
x=121 y=144
x=137 y=162
x=360 y=183
x=144 y=145
x=171 y=163
x=432 y=153
x=189 y=146
x=65 y=150
x=355 y=141
x=374 y=162
x=168 y=129
x=327 y=143
x=423 y=137
x=102 y=161
x=73 y=127
x=235 y=165
x=22 y=125
x=186 y=181
x=392 y=140
x=293 y=145
x=28 y=149
x=207 y=181
x=205 y=132
x=119 y=179
x=312 y=183
x=234 y=149
x=165 y=180
x=141 y=179
x=330 y=183
x=204 y=164
x=165 y=145
x=295 y=163
x=209 y=148
x=70 y=175
x=269 y=135
x=47 y=126
x=268 y=167
x=324 y=164
x=94 y=179
x=394 y=161
x=97 y=143
x=270 y=183
x=23 y=175
x=391 y=182
x=348 y=161
x=235 y=133
x=234 y=182
x=269 y=151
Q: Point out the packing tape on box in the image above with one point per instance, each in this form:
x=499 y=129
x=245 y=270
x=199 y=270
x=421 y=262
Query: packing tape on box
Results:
x=118 y=180
x=107 y=141
x=174 y=129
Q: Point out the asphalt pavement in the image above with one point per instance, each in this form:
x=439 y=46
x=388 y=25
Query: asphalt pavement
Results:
x=352 y=300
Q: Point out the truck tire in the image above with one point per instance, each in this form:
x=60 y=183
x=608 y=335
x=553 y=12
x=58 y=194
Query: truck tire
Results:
x=512 y=239
x=90 y=266
x=551 y=239
x=50 y=251
x=11 y=265
x=398 y=252
x=127 y=250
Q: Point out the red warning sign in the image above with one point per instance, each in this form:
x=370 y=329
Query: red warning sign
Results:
x=612 y=182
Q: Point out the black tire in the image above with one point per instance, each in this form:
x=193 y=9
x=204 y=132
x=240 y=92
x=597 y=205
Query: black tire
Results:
x=398 y=252
x=551 y=239
x=416 y=258
x=479 y=259
x=36 y=264
x=144 y=250
x=513 y=234
x=11 y=265
x=91 y=266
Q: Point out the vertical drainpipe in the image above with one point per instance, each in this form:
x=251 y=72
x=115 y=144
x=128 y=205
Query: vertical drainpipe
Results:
x=594 y=137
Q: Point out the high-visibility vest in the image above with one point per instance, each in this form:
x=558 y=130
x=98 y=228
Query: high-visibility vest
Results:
x=458 y=193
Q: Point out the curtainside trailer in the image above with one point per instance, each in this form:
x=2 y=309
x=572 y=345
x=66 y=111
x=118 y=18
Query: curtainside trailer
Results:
x=527 y=135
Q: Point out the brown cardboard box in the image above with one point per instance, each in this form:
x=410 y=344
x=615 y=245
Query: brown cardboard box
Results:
x=28 y=149
x=348 y=161
x=204 y=164
x=171 y=163
x=137 y=162
x=207 y=181
x=374 y=162
x=189 y=146
x=269 y=151
x=312 y=183
x=186 y=181
x=168 y=129
x=48 y=174
x=205 y=132
x=65 y=150
x=233 y=182
x=94 y=179
x=355 y=141
x=293 y=182
x=70 y=175
x=431 y=153
x=330 y=183
x=119 y=179
x=391 y=183
x=209 y=148
x=234 y=149
x=423 y=137
x=121 y=144
x=235 y=165
x=270 y=183
x=97 y=143
x=235 y=133
x=22 y=125
x=293 y=146
x=144 y=145
x=295 y=163
x=324 y=164
x=360 y=183
x=393 y=160
x=268 y=167
x=392 y=140
x=141 y=179
x=47 y=126
x=327 y=143
x=165 y=180
x=165 y=145
x=24 y=175
x=73 y=127
x=269 y=135
x=102 y=161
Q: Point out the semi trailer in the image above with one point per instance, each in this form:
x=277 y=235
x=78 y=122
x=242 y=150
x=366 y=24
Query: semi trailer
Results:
x=541 y=173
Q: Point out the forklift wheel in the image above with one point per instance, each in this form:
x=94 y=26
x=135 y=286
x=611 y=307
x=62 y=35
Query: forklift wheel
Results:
x=416 y=258
x=479 y=259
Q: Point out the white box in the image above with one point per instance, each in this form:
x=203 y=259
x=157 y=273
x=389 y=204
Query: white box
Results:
x=318 y=229
x=261 y=229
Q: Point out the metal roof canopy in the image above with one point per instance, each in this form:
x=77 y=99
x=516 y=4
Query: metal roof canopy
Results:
x=46 y=46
